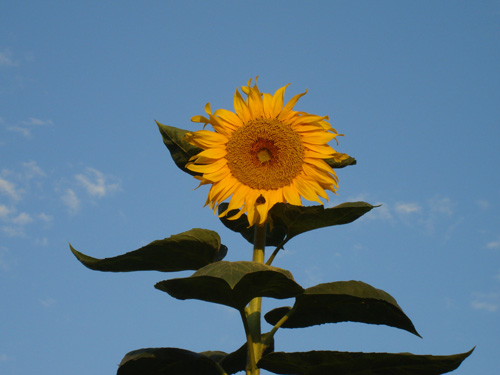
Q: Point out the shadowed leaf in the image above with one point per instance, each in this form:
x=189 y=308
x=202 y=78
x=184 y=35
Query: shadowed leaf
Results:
x=299 y=219
x=160 y=361
x=289 y=221
x=340 y=161
x=189 y=250
x=180 y=149
x=233 y=284
x=343 y=301
x=346 y=363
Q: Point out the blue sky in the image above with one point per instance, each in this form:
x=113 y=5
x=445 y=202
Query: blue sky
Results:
x=414 y=86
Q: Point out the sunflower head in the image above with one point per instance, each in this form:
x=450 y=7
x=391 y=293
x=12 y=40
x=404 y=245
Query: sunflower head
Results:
x=263 y=153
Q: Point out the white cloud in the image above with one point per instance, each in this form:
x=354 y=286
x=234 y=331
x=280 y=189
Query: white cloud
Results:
x=33 y=121
x=22 y=219
x=96 y=183
x=13 y=231
x=493 y=244
x=71 y=201
x=42 y=241
x=442 y=206
x=6 y=59
x=483 y=204
x=31 y=170
x=407 y=208
x=24 y=128
x=47 y=302
x=46 y=218
x=486 y=301
x=4 y=211
x=9 y=189
x=18 y=129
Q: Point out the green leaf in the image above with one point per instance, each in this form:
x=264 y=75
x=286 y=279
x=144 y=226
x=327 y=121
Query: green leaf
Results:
x=233 y=284
x=346 y=363
x=300 y=219
x=180 y=149
x=189 y=250
x=160 y=361
x=341 y=161
x=343 y=301
x=289 y=221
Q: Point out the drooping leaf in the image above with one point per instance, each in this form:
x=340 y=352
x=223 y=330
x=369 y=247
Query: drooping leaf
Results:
x=340 y=161
x=346 y=363
x=160 y=361
x=180 y=149
x=233 y=284
x=289 y=221
x=241 y=225
x=189 y=250
x=343 y=301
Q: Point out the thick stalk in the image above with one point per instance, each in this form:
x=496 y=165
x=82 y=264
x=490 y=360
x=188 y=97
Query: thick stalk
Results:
x=254 y=308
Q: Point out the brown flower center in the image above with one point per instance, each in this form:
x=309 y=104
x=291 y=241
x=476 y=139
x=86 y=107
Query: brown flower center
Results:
x=265 y=154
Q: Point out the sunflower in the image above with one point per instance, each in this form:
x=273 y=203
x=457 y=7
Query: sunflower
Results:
x=263 y=153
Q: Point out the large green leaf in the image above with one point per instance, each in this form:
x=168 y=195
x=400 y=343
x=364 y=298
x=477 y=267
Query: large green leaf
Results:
x=299 y=219
x=180 y=149
x=346 y=363
x=189 y=250
x=343 y=301
x=161 y=361
x=233 y=284
x=289 y=221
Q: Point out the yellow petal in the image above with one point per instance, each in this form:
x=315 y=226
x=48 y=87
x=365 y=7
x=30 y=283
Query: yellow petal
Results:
x=201 y=119
x=207 y=168
x=289 y=106
x=278 y=100
x=292 y=196
x=241 y=108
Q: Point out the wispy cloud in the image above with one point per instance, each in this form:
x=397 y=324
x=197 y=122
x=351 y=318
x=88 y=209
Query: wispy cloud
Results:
x=484 y=204
x=33 y=121
x=493 y=244
x=22 y=219
x=45 y=218
x=96 y=183
x=71 y=201
x=443 y=206
x=407 y=208
x=47 y=302
x=13 y=231
x=9 y=188
x=486 y=301
x=32 y=170
x=4 y=211
x=6 y=59
x=25 y=127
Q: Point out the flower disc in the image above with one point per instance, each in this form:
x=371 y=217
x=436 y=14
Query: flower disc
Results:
x=265 y=154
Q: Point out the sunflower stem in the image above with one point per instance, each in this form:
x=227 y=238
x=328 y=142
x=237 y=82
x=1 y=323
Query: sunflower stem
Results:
x=255 y=345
